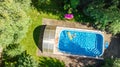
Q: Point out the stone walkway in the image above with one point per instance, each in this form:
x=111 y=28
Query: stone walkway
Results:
x=77 y=61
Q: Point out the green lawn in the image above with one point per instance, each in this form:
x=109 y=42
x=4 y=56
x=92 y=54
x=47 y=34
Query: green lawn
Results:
x=28 y=42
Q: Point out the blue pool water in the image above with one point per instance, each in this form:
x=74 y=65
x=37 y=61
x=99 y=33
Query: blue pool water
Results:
x=81 y=43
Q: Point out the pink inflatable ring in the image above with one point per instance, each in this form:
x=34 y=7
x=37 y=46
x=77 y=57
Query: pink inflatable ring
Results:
x=68 y=16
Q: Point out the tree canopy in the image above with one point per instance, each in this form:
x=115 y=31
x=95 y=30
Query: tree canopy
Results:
x=105 y=12
x=14 y=21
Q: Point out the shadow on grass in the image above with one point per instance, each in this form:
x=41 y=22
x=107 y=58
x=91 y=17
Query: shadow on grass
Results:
x=54 y=7
x=114 y=48
x=38 y=35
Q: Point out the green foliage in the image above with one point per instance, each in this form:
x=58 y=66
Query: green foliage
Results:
x=24 y=4
x=111 y=62
x=108 y=62
x=74 y=3
x=50 y=62
x=116 y=63
x=26 y=60
x=43 y=1
x=50 y=7
x=12 y=50
x=115 y=27
x=70 y=6
x=16 y=57
x=13 y=22
x=9 y=64
x=104 y=12
x=10 y=55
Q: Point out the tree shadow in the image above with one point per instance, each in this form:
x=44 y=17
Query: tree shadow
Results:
x=114 y=48
x=54 y=7
x=84 y=62
x=38 y=35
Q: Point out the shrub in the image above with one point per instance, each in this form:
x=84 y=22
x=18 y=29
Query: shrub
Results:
x=116 y=63
x=115 y=27
x=11 y=51
x=50 y=62
x=26 y=60
x=11 y=54
x=20 y=58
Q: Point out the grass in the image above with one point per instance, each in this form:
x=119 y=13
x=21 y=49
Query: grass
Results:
x=28 y=42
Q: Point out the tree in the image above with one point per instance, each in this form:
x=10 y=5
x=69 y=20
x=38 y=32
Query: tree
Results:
x=14 y=21
x=106 y=13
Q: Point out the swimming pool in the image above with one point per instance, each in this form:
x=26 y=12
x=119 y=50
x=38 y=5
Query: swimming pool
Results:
x=81 y=42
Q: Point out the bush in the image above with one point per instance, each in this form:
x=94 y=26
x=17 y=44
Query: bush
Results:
x=111 y=62
x=50 y=62
x=18 y=60
x=12 y=51
x=26 y=60
x=14 y=21
x=115 y=27
x=116 y=63
x=11 y=54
